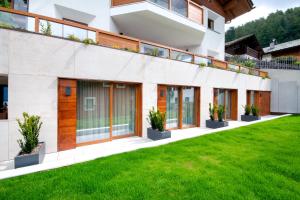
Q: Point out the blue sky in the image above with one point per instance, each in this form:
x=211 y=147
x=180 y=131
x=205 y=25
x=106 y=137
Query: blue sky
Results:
x=263 y=9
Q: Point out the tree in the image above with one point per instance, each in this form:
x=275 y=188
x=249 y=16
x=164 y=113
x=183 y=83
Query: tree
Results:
x=282 y=26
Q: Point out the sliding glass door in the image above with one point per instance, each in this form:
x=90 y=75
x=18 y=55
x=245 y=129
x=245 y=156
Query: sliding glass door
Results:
x=188 y=107
x=228 y=99
x=123 y=110
x=180 y=105
x=93 y=122
x=105 y=111
x=172 y=108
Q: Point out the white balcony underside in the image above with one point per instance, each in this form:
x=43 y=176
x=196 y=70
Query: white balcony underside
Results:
x=153 y=23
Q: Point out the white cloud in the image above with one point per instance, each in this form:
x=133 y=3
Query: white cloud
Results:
x=262 y=11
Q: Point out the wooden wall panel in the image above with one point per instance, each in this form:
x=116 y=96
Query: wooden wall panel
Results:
x=219 y=64
x=197 y=106
x=195 y=13
x=66 y=115
x=122 y=2
x=139 y=111
x=234 y=104
x=117 y=42
x=162 y=98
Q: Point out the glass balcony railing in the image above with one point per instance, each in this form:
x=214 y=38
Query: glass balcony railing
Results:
x=65 y=31
x=15 y=21
x=185 y=57
x=154 y=50
x=162 y=3
x=180 y=7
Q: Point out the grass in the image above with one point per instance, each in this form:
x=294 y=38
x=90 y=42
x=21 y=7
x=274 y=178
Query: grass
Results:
x=261 y=161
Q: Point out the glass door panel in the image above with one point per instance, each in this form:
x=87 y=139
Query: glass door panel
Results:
x=188 y=107
x=252 y=98
x=92 y=112
x=172 y=108
x=227 y=104
x=221 y=97
x=124 y=105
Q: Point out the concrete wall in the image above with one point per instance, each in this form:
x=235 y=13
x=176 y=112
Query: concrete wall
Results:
x=285 y=96
x=33 y=71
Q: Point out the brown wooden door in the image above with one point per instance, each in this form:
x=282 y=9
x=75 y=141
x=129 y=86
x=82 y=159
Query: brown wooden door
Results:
x=264 y=102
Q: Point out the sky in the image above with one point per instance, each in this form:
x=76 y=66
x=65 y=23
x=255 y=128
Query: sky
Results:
x=262 y=9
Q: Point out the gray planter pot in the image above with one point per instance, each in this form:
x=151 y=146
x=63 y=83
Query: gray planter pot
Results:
x=157 y=135
x=215 y=124
x=31 y=159
x=249 y=118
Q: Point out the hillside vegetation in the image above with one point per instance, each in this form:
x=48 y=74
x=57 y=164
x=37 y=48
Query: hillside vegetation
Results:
x=283 y=26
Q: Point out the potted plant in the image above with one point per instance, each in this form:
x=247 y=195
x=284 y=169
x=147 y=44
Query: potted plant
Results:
x=247 y=117
x=157 y=121
x=32 y=151
x=212 y=122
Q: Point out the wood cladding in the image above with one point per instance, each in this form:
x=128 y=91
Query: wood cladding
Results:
x=162 y=98
x=197 y=106
x=139 y=110
x=117 y=42
x=66 y=114
x=234 y=104
x=220 y=64
x=122 y=2
x=195 y=13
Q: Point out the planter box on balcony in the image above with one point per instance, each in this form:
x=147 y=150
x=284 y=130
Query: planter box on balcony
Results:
x=215 y=124
x=157 y=135
x=249 y=118
x=36 y=157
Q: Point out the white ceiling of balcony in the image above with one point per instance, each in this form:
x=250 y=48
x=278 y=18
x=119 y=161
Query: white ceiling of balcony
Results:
x=153 y=23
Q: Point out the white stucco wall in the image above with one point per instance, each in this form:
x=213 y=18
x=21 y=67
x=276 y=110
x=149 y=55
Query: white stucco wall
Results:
x=285 y=90
x=99 y=8
x=33 y=71
x=213 y=43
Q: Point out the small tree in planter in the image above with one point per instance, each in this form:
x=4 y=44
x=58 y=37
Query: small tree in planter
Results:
x=212 y=123
x=157 y=121
x=248 y=110
x=32 y=152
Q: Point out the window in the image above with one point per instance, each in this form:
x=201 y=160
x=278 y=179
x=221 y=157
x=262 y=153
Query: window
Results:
x=3 y=98
x=211 y=24
x=21 y=5
x=89 y=103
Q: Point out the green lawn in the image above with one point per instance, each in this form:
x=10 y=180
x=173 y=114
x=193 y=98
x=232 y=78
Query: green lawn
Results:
x=261 y=161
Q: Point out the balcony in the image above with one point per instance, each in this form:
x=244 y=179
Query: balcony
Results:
x=154 y=20
x=29 y=22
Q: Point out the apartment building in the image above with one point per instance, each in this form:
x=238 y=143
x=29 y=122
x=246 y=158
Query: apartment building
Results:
x=166 y=54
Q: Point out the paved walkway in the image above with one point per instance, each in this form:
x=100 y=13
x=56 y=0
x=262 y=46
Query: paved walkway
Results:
x=86 y=153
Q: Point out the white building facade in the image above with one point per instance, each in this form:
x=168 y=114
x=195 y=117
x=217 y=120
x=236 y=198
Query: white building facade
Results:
x=87 y=94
